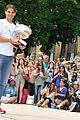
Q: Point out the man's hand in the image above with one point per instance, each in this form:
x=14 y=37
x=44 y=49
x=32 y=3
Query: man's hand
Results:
x=14 y=41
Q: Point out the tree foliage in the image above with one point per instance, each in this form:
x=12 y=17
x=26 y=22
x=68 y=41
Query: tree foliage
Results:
x=51 y=20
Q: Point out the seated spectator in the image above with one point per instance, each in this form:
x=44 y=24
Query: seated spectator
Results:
x=62 y=92
x=47 y=95
x=44 y=92
x=75 y=104
x=66 y=103
x=11 y=93
x=73 y=100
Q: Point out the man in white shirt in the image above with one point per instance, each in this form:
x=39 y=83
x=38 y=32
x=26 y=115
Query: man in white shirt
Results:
x=7 y=42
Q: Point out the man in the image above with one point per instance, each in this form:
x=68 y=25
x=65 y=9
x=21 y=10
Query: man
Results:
x=7 y=42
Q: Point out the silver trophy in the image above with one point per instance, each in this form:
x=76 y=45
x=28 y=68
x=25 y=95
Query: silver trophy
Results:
x=23 y=32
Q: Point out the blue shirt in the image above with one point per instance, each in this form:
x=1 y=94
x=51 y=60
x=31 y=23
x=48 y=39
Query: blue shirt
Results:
x=63 y=91
x=58 y=80
x=12 y=90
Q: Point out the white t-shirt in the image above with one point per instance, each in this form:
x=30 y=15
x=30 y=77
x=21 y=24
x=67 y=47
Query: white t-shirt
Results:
x=8 y=30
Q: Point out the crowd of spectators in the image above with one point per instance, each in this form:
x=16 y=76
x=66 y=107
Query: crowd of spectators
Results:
x=44 y=83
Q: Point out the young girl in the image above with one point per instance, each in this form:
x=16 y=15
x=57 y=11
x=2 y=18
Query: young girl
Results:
x=19 y=77
x=11 y=93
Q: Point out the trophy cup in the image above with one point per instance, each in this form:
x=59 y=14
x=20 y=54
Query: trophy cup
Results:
x=23 y=32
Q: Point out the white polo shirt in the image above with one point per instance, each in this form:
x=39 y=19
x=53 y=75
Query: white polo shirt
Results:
x=7 y=30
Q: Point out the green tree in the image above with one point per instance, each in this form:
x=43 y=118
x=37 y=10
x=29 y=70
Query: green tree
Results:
x=51 y=21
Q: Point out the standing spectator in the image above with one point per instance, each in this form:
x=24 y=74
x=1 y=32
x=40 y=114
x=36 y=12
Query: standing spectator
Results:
x=30 y=76
x=49 y=74
x=57 y=76
x=69 y=71
x=78 y=77
x=19 y=77
x=39 y=82
x=63 y=72
x=45 y=62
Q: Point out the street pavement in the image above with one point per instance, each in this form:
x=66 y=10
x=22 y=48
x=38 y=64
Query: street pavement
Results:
x=30 y=112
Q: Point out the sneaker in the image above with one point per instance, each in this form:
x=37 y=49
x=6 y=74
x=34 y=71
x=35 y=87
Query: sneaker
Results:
x=2 y=111
x=72 y=106
x=58 y=107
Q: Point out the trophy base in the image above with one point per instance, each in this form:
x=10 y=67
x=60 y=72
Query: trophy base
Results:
x=22 y=42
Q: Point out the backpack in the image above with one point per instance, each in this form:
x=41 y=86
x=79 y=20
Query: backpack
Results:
x=75 y=107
